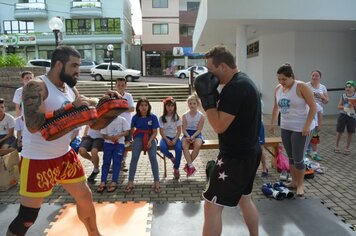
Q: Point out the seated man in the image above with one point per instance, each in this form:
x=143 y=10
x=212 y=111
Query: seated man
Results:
x=7 y=125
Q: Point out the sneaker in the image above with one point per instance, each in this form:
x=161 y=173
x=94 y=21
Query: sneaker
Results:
x=347 y=152
x=191 y=171
x=92 y=176
x=264 y=174
x=186 y=168
x=176 y=173
x=316 y=157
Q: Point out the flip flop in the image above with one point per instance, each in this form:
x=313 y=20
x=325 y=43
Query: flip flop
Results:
x=100 y=189
x=129 y=189
x=156 y=188
x=111 y=188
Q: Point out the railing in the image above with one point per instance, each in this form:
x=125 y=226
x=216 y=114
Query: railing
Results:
x=86 y=4
x=27 y=6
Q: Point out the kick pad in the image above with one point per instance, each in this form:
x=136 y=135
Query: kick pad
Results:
x=112 y=218
x=285 y=218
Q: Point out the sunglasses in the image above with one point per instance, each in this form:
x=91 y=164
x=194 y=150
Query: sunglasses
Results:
x=348 y=86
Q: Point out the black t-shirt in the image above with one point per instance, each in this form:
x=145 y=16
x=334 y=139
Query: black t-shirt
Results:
x=240 y=98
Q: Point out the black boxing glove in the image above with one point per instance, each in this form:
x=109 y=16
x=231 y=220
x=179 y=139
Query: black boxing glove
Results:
x=206 y=85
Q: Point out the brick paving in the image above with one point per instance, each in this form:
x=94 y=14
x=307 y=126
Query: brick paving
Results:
x=336 y=189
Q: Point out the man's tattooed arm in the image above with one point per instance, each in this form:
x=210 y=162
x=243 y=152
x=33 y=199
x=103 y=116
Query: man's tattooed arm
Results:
x=32 y=97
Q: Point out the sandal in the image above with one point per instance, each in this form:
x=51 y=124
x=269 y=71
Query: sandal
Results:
x=347 y=152
x=129 y=189
x=337 y=150
x=156 y=188
x=101 y=189
x=112 y=188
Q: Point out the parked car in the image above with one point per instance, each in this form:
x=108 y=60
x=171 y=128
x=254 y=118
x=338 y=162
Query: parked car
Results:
x=40 y=63
x=86 y=66
x=102 y=72
x=185 y=72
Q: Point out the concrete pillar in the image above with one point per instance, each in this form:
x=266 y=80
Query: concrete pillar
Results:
x=241 y=44
x=186 y=62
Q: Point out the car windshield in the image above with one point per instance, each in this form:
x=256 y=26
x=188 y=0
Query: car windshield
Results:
x=123 y=67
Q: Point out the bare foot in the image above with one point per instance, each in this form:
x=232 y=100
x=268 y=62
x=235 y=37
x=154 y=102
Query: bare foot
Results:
x=291 y=185
x=300 y=192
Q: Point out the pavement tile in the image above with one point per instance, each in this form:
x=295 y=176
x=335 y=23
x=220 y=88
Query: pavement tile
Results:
x=336 y=189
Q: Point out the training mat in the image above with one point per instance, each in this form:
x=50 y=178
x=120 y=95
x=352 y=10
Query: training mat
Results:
x=284 y=218
x=129 y=219
x=46 y=215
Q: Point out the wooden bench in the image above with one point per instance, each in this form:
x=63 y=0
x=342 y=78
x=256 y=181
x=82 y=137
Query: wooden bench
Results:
x=271 y=145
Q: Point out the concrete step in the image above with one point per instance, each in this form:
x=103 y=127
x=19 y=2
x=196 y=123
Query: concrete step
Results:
x=154 y=92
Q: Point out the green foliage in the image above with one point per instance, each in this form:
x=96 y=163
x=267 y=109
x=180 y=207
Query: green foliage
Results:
x=12 y=60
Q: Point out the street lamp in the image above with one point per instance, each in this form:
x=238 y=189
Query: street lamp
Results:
x=110 y=51
x=55 y=24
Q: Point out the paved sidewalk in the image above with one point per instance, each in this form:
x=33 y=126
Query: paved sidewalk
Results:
x=336 y=189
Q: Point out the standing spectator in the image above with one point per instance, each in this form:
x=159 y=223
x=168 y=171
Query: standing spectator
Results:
x=26 y=76
x=19 y=127
x=121 y=85
x=144 y=125
x=321 y=97
x=170 y=130
x=295 y=101
x=7 y=125
x=235 y=114
x=314 y=141
x=347 y=116
x=114 y=147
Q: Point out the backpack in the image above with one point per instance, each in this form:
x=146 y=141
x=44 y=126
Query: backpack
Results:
x=282 y=162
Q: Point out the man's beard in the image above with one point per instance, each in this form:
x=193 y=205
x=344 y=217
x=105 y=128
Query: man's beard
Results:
x=66 y=78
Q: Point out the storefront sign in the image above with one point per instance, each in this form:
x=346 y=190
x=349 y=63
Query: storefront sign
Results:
x=17 y=39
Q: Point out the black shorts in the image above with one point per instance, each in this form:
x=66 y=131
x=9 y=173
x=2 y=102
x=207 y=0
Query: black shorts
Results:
x=88 y=143
x=345 y=121
x=232 y=178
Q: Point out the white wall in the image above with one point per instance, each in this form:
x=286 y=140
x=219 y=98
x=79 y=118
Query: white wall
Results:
x=333 y=53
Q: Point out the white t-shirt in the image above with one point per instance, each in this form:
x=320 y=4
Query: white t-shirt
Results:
x=17 y=99
x=170 y=127
x=192 y=121
x=94 y=133
x=7 y=123
x=127 y=115
x=118 y=125
x=19 y=123
x=316 y=91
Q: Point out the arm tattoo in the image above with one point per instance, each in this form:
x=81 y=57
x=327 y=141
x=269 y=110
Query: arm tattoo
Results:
x=32 y=99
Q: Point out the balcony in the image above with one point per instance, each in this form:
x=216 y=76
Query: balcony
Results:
x=80 y=9
x=30 y=11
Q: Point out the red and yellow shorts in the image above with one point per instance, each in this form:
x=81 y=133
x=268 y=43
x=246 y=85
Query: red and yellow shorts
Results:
x=37 y=177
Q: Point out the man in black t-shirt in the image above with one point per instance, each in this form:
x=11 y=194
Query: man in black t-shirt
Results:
x=235 y=114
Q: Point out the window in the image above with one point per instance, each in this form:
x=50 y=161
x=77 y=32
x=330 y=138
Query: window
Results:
x=160 y=28
x=78 y=25
x=159 y=3
x=192 y=6
x=102 y=67
x=14 y=26
x=107 y=25
x=186 y=30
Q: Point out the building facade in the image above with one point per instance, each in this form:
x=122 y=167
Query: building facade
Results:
x=88 y=25
x=318 y=34
x=167 y=29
